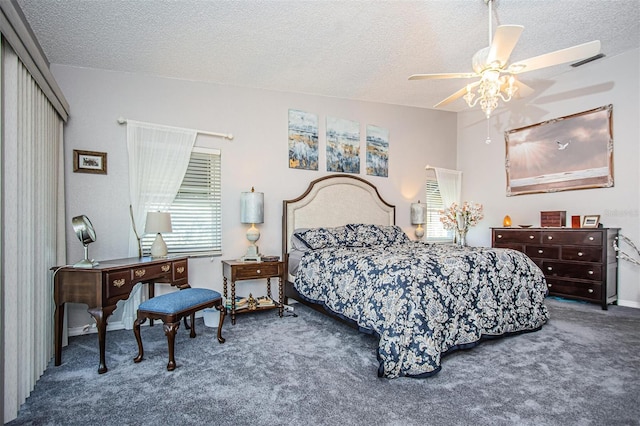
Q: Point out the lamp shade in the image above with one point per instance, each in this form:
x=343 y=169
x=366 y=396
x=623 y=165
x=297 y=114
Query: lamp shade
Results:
x=418 y=213
x=252 y=207
x=158 y=222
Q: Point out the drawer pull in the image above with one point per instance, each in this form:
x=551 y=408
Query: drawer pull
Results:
x=549 y=237
x=139 y=273
x=118 y=283
x=165 y=268
x=549 y=268
x=499 y=235
x=590 y=272
x=590 y=290
x=180 y=269
x=549 y=285
x=258 y=271
x=540 y=251
x=590 y=238
x=579 y=253
x=531 y=237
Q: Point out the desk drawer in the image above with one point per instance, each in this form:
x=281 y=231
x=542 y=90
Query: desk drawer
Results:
x=118 y=283
x=259 y=270
x=180 y=272
x=144 y=273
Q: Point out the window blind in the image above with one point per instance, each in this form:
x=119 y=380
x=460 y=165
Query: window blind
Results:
x=196 y=212
x=434 y=229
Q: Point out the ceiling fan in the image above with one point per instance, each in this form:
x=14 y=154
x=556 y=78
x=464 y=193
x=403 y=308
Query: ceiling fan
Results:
x=491 y=65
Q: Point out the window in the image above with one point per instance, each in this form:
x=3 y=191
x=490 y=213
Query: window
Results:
x=434 y=228
x=196 y=213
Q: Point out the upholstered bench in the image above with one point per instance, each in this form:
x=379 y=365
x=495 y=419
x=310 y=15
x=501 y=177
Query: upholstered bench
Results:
x=171 y=308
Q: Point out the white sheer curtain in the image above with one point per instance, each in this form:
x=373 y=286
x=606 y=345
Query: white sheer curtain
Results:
x=449 y=185
x=33 y=223
x=158 y=159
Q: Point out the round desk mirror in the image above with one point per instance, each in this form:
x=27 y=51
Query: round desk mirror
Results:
x=86 y=234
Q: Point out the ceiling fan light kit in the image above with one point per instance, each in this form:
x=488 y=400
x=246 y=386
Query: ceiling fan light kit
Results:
x=497 y=77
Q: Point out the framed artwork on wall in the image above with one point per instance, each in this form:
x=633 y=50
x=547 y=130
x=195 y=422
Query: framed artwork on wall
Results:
x=377 y=151
x=343 y=145
x=566 y=153
x=89 y=162
x=303 y=140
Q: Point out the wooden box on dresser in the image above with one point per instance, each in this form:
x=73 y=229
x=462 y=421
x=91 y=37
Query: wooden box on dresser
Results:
x=577 y=263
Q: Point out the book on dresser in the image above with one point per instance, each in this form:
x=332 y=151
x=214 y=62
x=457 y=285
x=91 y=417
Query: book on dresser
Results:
x=578 y=263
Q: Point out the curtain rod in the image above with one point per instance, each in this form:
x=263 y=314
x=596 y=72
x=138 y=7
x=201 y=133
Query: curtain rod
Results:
x=428 y=167
x=229 y=136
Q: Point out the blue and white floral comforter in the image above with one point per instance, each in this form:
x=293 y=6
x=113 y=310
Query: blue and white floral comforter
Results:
x=424 y=300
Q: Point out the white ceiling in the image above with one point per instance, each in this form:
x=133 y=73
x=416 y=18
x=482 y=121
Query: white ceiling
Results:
x=361 y=50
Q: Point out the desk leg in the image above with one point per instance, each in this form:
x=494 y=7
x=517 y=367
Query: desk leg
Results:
x=59 y=323
x=101 y=315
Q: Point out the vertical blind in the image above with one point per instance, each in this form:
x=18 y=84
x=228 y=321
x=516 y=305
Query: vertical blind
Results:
x=196 y=213
x=33 y=224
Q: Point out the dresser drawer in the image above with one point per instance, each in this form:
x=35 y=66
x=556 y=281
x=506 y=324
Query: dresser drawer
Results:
x=512 y=246
x=588 y=291
x=584 y=254
x=255 y=271
x=547 y=252
x=580 y=271
x=501 y=236
x=118 y=283
x=582 y=238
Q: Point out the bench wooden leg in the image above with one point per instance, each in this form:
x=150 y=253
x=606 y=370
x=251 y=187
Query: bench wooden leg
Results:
x=136 y=331
x=223 y=313
x=170 y=329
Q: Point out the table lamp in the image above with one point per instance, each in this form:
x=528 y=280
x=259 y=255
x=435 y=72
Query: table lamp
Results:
x=157 y=223
x=419 y=217
x=252 y=211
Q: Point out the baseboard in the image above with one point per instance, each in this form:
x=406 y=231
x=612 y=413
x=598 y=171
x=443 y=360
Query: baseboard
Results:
x=116 y=325
x=628 y=303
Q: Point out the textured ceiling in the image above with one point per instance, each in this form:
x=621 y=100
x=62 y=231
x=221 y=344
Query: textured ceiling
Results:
x=361 y=50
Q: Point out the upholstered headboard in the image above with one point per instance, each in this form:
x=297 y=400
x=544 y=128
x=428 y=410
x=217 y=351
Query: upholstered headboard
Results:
x=335 y=200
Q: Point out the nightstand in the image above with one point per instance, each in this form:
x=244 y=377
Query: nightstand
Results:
x=237 y=271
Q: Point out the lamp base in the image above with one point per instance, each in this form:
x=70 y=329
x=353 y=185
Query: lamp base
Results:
x=252 y=254
x=419 y=231
x=159 y=247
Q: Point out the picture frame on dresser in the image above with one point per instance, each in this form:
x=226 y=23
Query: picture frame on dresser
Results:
x=591 y=221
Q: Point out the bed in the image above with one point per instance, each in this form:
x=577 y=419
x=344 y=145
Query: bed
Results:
x=346 y=257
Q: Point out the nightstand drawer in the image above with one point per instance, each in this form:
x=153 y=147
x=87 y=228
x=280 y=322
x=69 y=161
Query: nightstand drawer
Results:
x=258 y=270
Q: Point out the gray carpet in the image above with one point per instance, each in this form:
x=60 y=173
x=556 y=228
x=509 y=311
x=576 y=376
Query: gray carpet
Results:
x=582 y=368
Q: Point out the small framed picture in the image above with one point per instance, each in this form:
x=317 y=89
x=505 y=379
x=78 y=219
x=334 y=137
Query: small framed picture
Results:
x=591 y=221
x=89 y=162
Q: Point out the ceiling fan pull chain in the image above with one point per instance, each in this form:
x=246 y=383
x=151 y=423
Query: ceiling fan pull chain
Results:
x=488 y=140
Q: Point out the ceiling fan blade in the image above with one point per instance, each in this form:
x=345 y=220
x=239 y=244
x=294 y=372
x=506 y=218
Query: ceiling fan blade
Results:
x=561 y=56
x=443 y=75
x=456 y=95
x=504 y=41
x=523 y=90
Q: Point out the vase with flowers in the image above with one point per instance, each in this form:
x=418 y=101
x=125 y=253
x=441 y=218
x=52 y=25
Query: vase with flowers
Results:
x=461 y=217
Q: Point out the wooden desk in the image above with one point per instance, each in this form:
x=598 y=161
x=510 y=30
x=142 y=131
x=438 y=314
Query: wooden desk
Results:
x=103 y=286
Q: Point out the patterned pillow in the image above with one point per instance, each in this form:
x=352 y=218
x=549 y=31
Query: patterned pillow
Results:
x=366 y=235
x=317 y=238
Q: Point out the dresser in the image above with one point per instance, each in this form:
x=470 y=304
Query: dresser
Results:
x=577 y=263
